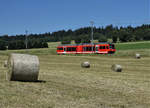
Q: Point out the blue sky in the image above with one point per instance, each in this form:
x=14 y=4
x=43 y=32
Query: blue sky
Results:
x=40 y=16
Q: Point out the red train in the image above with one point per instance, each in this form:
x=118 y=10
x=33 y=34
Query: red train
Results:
x=97 y=48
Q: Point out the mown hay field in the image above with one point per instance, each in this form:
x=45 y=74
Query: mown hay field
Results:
x=64 y=84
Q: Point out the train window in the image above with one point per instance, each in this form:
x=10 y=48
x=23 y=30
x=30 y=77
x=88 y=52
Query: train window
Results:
x=68 y=49
x=101 y=47
x=74 y=49
x=84 y=48
x=60 y=48
x=88 y=48
x=71 y=49
x=93 y=48
x=112 y=46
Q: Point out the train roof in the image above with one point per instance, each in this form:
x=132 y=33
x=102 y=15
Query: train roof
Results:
x=85 y=44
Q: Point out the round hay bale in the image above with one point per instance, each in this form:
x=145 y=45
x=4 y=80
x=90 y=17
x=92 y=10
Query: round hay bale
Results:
x=137 y=56
x=5 y=63
x=23 y=67
x=116 y=68
x=85 y=64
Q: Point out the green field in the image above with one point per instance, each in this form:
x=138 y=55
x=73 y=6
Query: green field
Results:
x=133 y=45
x=66 y=85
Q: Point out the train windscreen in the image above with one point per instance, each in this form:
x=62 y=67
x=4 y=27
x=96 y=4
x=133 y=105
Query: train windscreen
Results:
x=111 y=46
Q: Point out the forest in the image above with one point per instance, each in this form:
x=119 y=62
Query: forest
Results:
x=81 y=35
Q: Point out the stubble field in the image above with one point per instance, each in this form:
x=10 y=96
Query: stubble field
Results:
x=64 y=84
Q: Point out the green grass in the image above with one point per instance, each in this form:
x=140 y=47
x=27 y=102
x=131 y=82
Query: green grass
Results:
x=67 y=85
x=133 y=46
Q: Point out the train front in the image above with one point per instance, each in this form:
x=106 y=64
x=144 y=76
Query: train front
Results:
x=112 y=49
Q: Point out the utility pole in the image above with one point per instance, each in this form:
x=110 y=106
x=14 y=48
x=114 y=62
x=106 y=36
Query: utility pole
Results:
x=92 y=34
x=26 y=39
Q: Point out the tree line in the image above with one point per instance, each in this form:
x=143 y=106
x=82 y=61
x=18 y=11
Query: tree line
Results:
x=81 y=35
x=21 y=44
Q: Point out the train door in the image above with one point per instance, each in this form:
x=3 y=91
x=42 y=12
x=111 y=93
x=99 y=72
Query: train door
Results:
x=65 y=50
x=96 y=48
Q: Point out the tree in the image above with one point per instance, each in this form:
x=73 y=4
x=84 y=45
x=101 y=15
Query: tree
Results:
x=115 y=35
x=96 y=35
x=108 y=31
x=20 y=44
x=2 y=45
x=124 y=35
x=45 y=45
x=85 y=38
x=12 y=45
x=77 y=40
x=82 y=39
x=66 y=40
x=102 y=38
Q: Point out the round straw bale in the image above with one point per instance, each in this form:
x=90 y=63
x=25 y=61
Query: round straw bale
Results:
x=23 y=67
x=5 y=63
x=116 y=68
x=137 y=56
x=85 y=64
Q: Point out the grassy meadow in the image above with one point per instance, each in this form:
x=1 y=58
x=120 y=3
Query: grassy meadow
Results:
x=64 y=84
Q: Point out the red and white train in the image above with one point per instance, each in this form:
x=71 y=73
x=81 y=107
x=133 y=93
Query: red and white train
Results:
x=97 y=48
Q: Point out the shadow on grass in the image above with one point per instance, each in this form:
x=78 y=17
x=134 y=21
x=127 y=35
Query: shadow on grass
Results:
x=38 y=81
